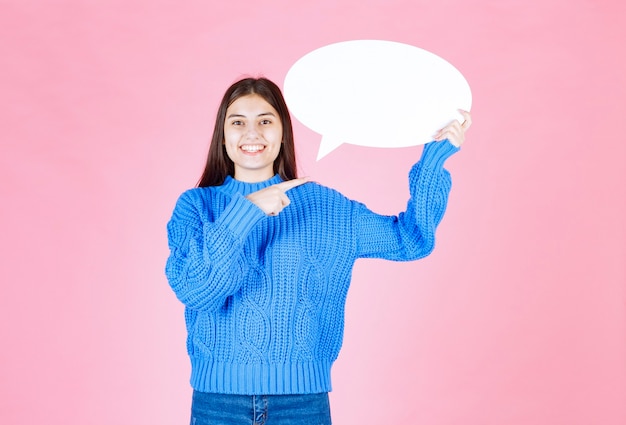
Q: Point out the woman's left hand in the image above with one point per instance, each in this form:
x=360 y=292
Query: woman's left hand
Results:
x=455 y=131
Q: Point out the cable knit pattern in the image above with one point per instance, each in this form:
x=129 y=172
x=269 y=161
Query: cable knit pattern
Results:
x=264 y=296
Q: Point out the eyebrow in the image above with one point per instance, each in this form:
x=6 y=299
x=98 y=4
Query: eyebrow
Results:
x=243 y=116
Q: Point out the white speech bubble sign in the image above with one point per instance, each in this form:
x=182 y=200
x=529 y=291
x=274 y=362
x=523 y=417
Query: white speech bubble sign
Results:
x=374 y=93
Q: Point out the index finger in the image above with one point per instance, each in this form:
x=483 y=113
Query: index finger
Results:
x=468 y=119
x=290 y=184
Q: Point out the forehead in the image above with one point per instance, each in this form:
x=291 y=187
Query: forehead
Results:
x=251 y=104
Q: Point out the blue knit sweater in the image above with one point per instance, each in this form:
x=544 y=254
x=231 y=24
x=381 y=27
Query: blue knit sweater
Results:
x=264 y=295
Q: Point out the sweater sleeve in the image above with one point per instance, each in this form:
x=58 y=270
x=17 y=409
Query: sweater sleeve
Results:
x=206 y=261
x=411 y=234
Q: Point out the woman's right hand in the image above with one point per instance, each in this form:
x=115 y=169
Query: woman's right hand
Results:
x=273 y=199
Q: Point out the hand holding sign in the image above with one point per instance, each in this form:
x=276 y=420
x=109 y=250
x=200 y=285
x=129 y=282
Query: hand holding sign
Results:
x=455 y=131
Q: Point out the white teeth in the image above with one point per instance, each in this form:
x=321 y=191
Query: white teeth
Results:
x=252 y=148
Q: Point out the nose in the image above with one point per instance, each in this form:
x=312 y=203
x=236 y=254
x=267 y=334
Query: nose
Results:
x=252 y=133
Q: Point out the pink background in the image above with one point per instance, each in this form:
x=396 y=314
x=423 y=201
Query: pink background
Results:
x=519 y=317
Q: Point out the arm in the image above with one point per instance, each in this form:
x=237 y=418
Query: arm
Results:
x=410 y=235
x=206 y=261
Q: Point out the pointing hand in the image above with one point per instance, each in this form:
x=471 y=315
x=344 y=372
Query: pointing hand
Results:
x=273 y=199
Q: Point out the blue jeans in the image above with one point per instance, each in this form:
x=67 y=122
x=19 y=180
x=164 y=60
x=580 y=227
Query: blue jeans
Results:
x=227 y=409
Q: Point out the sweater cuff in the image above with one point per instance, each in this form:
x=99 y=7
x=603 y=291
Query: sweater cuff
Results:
x=241 y=216
x=436 y=153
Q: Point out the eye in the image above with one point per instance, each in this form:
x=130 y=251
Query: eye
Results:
x=237 y=122
x=265 y=121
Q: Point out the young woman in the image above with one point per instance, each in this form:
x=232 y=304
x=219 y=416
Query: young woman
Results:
x=262 y=261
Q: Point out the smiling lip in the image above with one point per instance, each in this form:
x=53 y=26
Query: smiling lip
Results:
x=252 y=148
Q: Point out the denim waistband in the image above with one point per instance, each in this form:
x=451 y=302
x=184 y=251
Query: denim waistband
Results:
x=234 y=409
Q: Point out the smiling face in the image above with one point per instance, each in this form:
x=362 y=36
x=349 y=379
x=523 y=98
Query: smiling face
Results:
x=252 y=135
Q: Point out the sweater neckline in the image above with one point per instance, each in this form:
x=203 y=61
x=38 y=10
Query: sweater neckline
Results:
x=232 y=185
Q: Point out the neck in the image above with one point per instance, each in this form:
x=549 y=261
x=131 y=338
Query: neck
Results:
x=254 y=176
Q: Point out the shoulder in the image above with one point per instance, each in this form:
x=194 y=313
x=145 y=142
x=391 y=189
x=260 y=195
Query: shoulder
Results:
x=197 y=199
x=191 y=196
x=202 y=194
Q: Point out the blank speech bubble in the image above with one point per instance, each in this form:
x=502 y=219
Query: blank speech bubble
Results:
x=375 y=93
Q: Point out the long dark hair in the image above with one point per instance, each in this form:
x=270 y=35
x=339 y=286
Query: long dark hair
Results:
x=218 y=164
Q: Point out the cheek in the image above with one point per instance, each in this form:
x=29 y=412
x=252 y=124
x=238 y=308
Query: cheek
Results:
x=277 y=135
x=230 y=148
x=230 y=138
